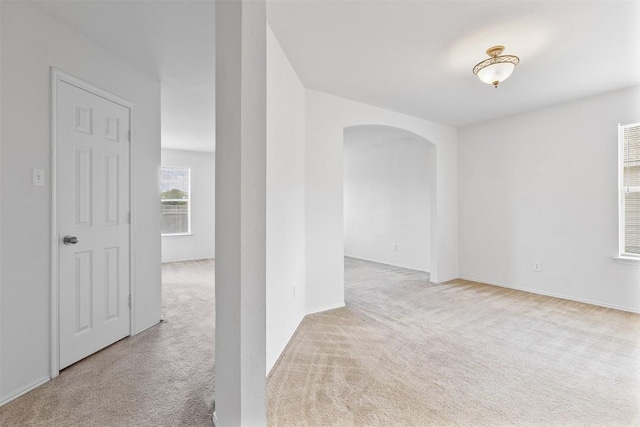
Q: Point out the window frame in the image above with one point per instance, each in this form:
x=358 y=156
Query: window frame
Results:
x=187 y=200
x=622 y=190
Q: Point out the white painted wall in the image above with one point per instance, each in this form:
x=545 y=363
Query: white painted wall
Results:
x=201 y=243
x=32 y=42
x=386 y=197
x=285 y=200
x=542 y=186
x=1 y=208
x=327 y=117
x=241 y=160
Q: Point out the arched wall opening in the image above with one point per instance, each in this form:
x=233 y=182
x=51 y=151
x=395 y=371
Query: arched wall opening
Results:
x=389 y=196
x=327 y=117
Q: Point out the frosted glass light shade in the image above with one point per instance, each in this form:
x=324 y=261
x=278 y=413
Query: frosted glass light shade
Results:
x=496 y=73
x=497 y=68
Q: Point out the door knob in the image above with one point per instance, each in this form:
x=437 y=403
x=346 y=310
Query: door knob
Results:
x=70 y=240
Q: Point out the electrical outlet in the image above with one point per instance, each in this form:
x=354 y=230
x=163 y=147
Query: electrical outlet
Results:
x=294 y=290
x=37 y=177
x=394 y=247
x=537 y=266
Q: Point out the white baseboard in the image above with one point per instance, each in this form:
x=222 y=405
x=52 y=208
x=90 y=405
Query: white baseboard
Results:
x=295 y=332
x=446 y=279
x=326 y=308
x=147 y=327
x=386 y=263
x=286 y=345
x=550 y=294
x=25 y=390
x=170 y=261
x=216 y=421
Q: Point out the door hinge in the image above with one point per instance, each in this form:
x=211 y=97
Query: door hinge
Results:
x=129 y=136
x=129 y=300
x=129 y=217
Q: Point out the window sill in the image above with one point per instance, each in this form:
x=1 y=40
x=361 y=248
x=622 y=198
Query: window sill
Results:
x=177 y=235
x=627 y=260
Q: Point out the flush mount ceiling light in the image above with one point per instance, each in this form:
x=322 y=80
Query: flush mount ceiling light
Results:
x=497 y=68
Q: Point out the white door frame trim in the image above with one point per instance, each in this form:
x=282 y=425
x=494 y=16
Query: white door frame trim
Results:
x=56 y=77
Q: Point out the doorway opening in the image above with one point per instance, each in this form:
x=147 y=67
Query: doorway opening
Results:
x=389 y=197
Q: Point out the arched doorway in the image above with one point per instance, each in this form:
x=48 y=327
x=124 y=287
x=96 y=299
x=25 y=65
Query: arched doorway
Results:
x=390 y=197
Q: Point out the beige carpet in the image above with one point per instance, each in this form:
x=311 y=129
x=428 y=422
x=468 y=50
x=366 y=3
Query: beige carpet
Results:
x=161 y=377
x=406 y=352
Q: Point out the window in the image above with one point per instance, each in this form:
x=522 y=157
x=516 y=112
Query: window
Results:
x=630 y=189
x=175 y=201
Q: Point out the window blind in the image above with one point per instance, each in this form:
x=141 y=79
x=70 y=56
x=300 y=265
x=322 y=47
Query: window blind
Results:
x=631 y=187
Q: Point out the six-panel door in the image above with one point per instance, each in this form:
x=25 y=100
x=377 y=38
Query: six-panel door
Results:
x=92 y=206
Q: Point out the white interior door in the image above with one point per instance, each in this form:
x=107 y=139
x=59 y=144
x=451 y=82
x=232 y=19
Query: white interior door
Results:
x=92 y=137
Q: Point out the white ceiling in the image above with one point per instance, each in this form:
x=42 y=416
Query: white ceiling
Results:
x=410 y=56
x=170 y=40
x=416 y=57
